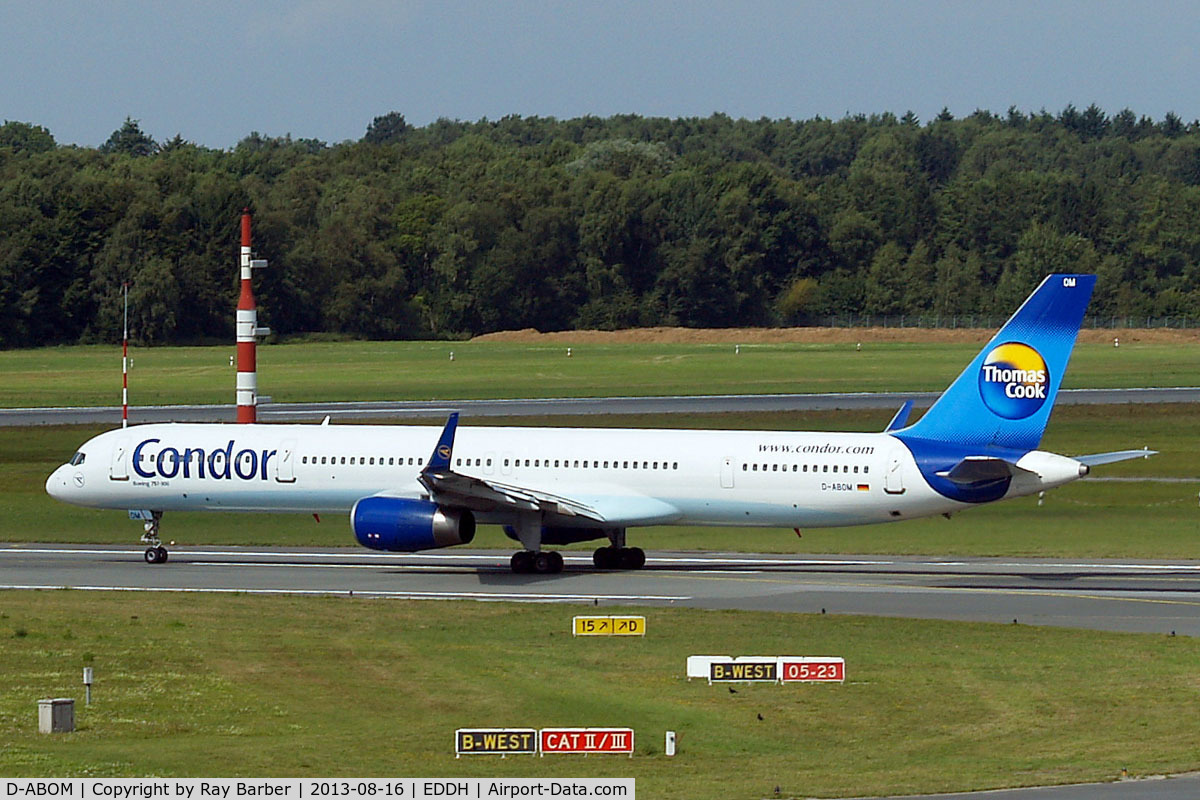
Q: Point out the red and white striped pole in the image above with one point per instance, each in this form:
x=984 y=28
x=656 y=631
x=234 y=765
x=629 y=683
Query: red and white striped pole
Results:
x=125 y=360
x=247 y=333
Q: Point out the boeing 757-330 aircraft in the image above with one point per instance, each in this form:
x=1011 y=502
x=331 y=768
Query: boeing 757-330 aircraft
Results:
x=410 y=488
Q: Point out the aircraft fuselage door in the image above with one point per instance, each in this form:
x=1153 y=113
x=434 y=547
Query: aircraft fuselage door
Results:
x=285 y=462
x=727 y=473
x=893 y=478
x=118 y=470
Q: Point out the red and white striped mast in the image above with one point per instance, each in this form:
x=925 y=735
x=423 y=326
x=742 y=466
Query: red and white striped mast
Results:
x=125 y=360
x=247 y=333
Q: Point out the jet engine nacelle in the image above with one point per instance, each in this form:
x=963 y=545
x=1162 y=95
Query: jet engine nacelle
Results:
x=400 y=524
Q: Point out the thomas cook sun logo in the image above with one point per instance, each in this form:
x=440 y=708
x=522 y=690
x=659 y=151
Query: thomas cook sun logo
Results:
x=1014 y=380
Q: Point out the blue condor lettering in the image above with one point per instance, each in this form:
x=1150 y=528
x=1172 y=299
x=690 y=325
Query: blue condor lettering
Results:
x=222 y=463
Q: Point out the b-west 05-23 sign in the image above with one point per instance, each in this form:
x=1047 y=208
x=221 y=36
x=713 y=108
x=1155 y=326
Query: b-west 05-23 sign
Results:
x=767 y=669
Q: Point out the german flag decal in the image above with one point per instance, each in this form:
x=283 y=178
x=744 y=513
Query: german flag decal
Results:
x=864 y=487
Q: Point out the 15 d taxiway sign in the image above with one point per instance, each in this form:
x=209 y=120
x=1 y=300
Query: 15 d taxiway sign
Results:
x=609 y=626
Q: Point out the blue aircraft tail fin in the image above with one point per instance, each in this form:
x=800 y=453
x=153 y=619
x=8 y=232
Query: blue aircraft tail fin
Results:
x=439 y=459
x=1004 y=397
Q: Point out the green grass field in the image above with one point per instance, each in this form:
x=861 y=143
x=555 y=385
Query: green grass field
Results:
x=270 y=686
x=423 y=370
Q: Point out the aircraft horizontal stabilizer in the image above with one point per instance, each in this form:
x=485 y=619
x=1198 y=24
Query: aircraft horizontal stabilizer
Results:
x=1096 y=459
x=981 y=469
x=901 y=418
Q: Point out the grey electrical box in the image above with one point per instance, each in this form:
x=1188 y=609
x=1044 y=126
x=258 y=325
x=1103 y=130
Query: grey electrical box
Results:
x=56 y=715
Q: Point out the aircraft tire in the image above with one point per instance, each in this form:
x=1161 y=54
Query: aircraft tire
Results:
x=162 y=554
x=522 y=562
x=606 y=558
x=556 y=562
x=632 y=558
x=543 y=562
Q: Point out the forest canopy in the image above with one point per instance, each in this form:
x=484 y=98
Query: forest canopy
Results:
x=460 y=228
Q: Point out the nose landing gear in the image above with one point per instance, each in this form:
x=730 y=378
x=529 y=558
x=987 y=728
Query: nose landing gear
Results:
x=156 y=555
x=155 y=552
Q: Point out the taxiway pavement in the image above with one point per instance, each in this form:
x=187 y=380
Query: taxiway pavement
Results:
x=1117 y=595
x=433 y=409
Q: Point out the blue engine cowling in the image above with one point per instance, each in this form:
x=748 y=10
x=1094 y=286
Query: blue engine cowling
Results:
x=559 y=535
x=399 y=524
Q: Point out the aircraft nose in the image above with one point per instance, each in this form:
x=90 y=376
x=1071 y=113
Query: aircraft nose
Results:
x=56 y=484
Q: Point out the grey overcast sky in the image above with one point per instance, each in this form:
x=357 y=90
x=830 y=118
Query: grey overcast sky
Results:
x=215 y=71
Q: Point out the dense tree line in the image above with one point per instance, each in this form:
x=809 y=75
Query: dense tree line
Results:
x=459 y=228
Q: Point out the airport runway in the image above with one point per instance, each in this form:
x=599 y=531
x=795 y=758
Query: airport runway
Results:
x=1141 y=596
x=433 y=409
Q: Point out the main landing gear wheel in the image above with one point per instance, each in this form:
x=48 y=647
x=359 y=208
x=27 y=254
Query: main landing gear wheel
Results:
x=544 y=562
x=156 y=555
x=619 y=558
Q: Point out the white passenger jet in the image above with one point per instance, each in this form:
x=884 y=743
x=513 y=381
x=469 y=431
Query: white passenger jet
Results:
x=410 y=488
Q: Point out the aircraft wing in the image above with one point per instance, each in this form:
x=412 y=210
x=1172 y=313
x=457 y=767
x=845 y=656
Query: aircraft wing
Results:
x=447 y=487
x=451 y=488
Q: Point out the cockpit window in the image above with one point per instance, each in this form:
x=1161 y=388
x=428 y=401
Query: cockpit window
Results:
x=77 y=459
